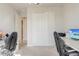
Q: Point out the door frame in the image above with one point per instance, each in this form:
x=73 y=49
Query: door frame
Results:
x=19 y=25
x=21 y=41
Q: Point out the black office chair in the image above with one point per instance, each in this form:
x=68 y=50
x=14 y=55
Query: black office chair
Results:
x=10 y=45
x=64 y=35
x=62 y=50
x=11 y=42
x=56 y=42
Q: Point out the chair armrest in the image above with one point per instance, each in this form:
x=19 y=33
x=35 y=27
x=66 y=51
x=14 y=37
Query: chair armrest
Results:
x=73 y=53
x=69 y=48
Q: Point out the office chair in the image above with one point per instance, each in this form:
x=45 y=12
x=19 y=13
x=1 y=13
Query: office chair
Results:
x=56 y=42
x=11 y=42
x=9 y=47
x=62 y=50
x=64 y=35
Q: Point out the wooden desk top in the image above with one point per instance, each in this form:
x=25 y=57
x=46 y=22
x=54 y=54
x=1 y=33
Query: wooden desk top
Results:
x=72 y=43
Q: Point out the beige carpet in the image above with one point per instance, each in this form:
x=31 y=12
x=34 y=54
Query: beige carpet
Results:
x=38 y=51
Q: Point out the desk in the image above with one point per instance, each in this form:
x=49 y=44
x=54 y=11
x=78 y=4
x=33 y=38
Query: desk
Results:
x=72 y=43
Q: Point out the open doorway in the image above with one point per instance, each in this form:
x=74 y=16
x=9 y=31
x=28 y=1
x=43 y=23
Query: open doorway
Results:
x=21 y=27
x=22 y=41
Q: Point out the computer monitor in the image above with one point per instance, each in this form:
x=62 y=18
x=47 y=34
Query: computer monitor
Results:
x=74 y=33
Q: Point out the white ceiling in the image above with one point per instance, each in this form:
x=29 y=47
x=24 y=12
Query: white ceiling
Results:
x=22 y=7
x=33 y=4
x=25 y=5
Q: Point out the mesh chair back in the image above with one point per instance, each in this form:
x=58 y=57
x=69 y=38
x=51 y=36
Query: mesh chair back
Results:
x=12 y=41
x=56 y=41
x=59 y=44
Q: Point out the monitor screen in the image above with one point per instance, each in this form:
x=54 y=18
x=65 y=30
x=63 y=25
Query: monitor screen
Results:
x=74 y=33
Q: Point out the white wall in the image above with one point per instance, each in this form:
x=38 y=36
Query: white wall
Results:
x=6 y=18
x=71 y=16
x=59 y=18
x=66 y=17
x=40 y=26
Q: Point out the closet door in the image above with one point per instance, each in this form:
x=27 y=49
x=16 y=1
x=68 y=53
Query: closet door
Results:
x=42 y=29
